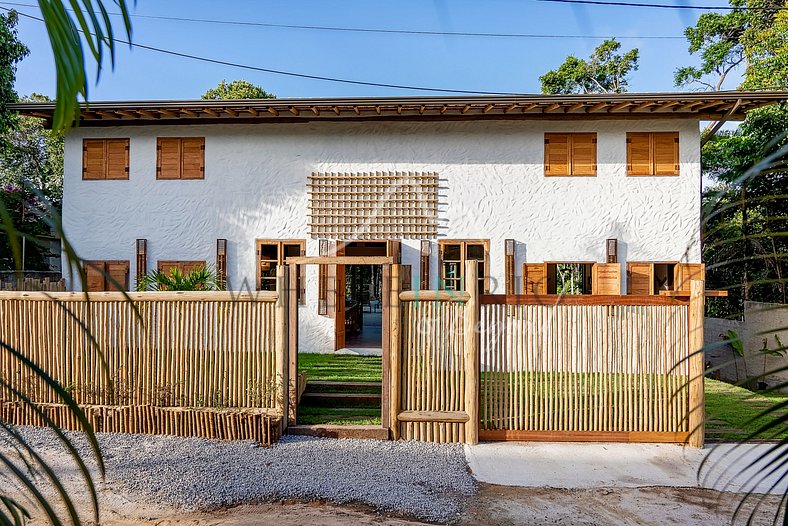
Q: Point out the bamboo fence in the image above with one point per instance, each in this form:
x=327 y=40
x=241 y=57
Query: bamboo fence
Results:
x=585 y=371
x=189 y=364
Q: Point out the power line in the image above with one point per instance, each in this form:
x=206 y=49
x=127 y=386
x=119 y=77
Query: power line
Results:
x=665 y=6
x=378 y=30
x=289 y=73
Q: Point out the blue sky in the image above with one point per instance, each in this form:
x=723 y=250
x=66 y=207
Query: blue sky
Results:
x=467 y=63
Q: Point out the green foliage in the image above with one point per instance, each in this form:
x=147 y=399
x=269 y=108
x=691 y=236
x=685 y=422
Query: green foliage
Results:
x=199 y=279
x=31 y=156
x=736 y=344
x=89 y=24
x=237 y=89
x=11 y=52
x=605 y=71
x=752 y=33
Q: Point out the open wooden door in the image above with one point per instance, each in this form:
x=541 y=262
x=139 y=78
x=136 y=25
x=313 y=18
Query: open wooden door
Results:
x=339 y=301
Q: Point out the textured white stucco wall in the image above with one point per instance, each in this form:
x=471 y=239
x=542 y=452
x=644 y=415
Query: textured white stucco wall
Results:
x=492 y=186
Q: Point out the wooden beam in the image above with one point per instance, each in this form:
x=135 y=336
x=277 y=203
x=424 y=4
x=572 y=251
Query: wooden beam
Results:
x=170 y=113
x=583 y=436
x=294 y=111
x=315 y=110
x=253 y=111
x=457 y=417
x=189 y=112
x=108 y=114
x=579 y=299
x=377 y=109
x=336 y=110
x=511 y=108
x=488 y=108
x=697 y=364
x=552 y=107
x=435 y=295
x=211 y=112
x=643 y=105
x=471 y=352
x=395 y=352
x=149 y=114
x=231 y=112
x=529 y=107
x=620 y=106
x=340 y=260
x=281 y=348
x=273 y=111
x=140 y=296
x=596 y=107
x=575 y=107
x=466 y=108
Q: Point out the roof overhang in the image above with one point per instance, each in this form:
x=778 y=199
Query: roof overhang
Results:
x=728 y=105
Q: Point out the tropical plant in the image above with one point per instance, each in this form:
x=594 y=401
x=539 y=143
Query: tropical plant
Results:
x=202 y=278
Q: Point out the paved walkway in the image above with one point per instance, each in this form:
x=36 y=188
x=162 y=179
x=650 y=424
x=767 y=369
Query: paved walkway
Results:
x=582 y=466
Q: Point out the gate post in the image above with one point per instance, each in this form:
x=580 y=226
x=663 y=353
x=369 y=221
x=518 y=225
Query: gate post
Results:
x=280 y=341
x=697 y=365
x=471 y=353
x=395 y=352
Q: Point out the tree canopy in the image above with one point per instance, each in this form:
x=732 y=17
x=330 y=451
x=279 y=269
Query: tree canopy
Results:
x=605 y=71
x=237 y=89
x=11 y=52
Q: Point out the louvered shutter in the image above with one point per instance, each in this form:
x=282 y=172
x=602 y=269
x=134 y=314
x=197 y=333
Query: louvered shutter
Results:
x=556 y=154
x=666 y=153
x=168 y=158
x=193 y=158
x=117 y=277
x=95 y=275
x=534 y=278
x=117 y=158
x=686 y=272
x=93 y=159
x=639 y=154
x=583 y=153
x=640 y=279
x=606 y=279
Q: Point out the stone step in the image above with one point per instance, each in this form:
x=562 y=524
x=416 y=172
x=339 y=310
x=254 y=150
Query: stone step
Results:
x=319 y=386
x=341 y=399
x=340 y=431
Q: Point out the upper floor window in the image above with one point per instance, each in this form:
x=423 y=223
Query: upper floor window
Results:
x=655 y=153
x=105 y=159
x=570 y=154
x=180 y=158
x=452 y=255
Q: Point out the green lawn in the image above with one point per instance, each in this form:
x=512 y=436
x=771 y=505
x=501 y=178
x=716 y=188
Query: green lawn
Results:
x=340 y=367
x=729 y=410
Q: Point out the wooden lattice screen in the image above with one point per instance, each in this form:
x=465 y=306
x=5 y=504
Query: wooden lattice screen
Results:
x=379 y=205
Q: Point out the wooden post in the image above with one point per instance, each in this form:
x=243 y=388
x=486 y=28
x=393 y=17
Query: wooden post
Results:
x=292 y=340
x=697 y=409
x=395 y=354
x=281 y=347
x=471 y=352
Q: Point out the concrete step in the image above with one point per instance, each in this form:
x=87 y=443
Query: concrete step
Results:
x=340 y=431
x=343 y=387
x=341 y=400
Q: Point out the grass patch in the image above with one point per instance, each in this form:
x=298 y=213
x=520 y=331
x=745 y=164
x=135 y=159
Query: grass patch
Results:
x=730 y=409
x=341 y=367
x=338 y=416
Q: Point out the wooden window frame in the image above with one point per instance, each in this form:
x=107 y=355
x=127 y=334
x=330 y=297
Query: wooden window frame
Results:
x=105 y=172
x=570 y=151
x=589 y=275
x=679 y=268
x=280 y=260
x=180 y=174
x=463 y=253
x=180 y=264
x=652 y=154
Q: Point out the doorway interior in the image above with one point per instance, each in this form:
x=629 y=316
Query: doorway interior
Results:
x=363 y=316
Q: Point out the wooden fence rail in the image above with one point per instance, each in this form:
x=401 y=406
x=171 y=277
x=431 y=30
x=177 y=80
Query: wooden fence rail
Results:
x=201 y=364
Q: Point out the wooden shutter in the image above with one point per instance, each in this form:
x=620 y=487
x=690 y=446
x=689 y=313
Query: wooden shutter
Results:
x=556 y=154
x=322 y=280
x=640 y=279
x=639 y=154
x=168 y=158
x=94 y=271
x=685 y=272
x=534 y=278
x=193 y=158
x=117 y=158
x=424 y=265
x=606 y=279
x=92 y=159
x=666 y=153
x=406 y=274
x=117 y=275
x=583 y=153
x=184 y=267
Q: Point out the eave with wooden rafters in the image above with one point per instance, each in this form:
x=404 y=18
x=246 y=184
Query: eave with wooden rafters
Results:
x=713 y=106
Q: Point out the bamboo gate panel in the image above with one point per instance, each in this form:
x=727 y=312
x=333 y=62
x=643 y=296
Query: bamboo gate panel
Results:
x=437 y=391
x=596 y=369
x=188 y=364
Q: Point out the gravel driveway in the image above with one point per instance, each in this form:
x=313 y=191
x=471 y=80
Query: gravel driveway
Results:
x=428 y=481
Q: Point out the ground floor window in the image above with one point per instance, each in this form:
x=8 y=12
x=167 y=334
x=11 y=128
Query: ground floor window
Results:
x=103 y=275
x=452 y=255
x=274 y=252
x=569 y=278
x=647 y=278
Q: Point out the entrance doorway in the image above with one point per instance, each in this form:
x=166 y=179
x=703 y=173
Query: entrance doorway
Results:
x=363 y=319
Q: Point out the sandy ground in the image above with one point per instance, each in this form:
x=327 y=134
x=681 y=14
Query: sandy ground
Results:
x=499 y=505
